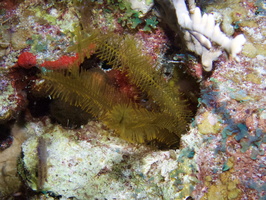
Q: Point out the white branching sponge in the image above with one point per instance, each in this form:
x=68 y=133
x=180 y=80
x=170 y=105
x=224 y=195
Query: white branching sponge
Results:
x=204 y=37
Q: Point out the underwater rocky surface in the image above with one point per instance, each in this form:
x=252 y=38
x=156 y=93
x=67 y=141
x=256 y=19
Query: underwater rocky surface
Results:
x=51 y=150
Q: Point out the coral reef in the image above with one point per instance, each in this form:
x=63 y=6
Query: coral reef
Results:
x=222 y=153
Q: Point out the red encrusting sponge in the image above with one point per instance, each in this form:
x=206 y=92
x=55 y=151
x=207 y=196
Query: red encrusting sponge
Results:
x=62 y=63
x=27 y=60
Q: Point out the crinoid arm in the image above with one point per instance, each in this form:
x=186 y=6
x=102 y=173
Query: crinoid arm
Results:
x=140 y=125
